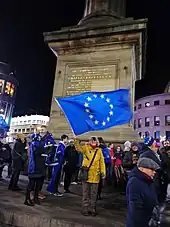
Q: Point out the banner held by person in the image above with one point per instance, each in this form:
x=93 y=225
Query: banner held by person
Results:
x=93 y=111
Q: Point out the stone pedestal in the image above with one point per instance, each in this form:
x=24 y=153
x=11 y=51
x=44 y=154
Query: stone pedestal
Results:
x=97 y=58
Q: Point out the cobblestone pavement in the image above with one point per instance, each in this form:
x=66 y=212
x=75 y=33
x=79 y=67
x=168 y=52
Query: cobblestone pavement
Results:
x=59 y=211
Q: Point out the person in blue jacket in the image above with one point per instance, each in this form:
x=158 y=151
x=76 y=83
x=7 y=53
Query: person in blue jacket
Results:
x=140 y=193
x=107 y=160
x=57 y=166
x=36 y=169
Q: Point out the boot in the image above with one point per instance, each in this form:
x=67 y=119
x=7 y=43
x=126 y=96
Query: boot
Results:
x=28 y=201
x=85 y=211
x=93 y=213
x=37 y=201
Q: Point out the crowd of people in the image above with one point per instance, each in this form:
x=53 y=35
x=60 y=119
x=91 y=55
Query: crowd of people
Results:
x=141 y=171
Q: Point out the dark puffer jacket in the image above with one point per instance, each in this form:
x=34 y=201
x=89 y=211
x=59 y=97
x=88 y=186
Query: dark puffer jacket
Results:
x=141 y=199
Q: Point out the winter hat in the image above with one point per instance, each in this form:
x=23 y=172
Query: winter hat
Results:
x=127 y=144
x=147 y=163
x=134 y=144
x=148 y=141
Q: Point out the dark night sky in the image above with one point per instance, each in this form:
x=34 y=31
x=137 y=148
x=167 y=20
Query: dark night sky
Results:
x=21 y=45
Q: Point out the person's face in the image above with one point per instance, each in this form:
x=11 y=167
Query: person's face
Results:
x=93 y=143
x=71 y=143
x=134 y=148
x=22 y=139
x=65 y=140
x=166 y=144
x=156 y=148
x=150 y=172
x=118 y=149
x=111 y=146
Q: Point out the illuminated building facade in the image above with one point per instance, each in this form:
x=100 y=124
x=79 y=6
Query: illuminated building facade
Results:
x=27 y=124
x=8 y=88
x=152 y=115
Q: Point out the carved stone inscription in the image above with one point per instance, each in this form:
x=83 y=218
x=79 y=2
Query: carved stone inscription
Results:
x=80 y=80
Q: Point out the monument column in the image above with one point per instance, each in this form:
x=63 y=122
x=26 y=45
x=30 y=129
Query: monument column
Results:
x=113 y=9
x=103 y=52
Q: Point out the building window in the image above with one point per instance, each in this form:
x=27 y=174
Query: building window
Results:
x=167 y=120
x=29 y=121
x=139 y=106
x=28 y=130
x=156 y=121
x=156 y=103
x=134 y=124
x=157 y=135
x=23 y=130
x=168 y=135
x=147 y=104
x=9 y=89
x=1 y=86
x=139 y=122
x=15 y=130
x=19 y=130
x=167 y=102
x=147 y=121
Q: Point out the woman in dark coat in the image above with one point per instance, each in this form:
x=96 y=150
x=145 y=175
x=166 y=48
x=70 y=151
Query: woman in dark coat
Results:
x=19 y=157
x=140 y=193
x=36 y=169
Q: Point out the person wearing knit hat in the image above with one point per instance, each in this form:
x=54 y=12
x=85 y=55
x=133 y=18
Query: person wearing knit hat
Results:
x=149 y=141
x=140 y=193
x=151 y=144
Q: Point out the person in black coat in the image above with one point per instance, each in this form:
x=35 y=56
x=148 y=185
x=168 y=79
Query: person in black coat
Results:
x=36 y=169
x=140 y=193
x=18 y=159
x=131 y=157
x=71 y=159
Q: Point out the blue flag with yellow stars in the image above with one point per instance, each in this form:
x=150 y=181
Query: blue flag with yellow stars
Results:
x=93 y=111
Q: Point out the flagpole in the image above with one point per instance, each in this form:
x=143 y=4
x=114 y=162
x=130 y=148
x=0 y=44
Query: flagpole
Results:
x=66 y=117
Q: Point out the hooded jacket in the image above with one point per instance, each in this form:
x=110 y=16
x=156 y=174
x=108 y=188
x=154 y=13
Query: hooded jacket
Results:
x=141 y=199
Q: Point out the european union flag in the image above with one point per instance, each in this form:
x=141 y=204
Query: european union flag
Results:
x=93 y=111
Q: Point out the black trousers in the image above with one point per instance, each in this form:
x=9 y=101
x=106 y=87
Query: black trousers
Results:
x=9 y=169
x=68 y=177
x=14 y=179
x=57 y=180
x=34 y=184
x=49 y=172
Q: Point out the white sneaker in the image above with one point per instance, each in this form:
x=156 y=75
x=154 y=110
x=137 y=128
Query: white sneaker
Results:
x=74 y=183
x=58 y=194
